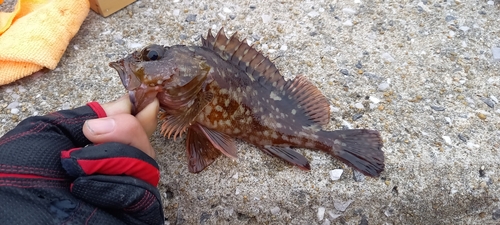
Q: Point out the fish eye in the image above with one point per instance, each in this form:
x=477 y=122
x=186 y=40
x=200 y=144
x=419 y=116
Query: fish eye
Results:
x=152 y=53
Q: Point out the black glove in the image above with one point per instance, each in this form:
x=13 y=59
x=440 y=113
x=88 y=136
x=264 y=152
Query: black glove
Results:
x=50 y=173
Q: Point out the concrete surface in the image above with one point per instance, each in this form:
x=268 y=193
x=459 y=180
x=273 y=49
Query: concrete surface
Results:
x=424 y=73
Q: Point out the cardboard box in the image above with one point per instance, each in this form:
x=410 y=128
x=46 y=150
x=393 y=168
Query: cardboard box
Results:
x=108 y=7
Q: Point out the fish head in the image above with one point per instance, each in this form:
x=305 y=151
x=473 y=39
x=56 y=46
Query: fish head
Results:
x=149 y=72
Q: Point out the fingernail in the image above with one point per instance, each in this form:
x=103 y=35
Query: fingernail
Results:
x=101 y=126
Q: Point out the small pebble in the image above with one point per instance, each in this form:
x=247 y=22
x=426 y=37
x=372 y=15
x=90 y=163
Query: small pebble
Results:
x=471 y=145
x=496 y=53
x=358 y=176
x=66 y=106
x=464 y=28
x=383 y=86
x=348 y=23
x=387 y=57
x=344 y=71
x=359 y=65
x=135 y=45
x=191 y=18
x=326 y=222
x=120 y=41
x=336 y=174
x=493 y=98
x=321 y=213
x=462 y=137
x=496 y=214
x=482 y=173
x=348 y=11
x=447 y=139
x=342 y=206
x=334 y=109
x=423 y=7
x=357 y=116
x=346 y=125
x=266 y=18
x=313 y=14
x=359 y=106
x=481 y=116
x=226 y=10
x=13 y=105
x=14 y=111
x=275 y=210
x=488 y=102
x=333 y=215
x=438 y=108
x=375 y=100
x=449 y=18
x=176 y=12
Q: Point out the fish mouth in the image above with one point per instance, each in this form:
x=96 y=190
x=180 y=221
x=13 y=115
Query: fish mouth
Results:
x=118 y=66
x=139 y=96
x=126 y=78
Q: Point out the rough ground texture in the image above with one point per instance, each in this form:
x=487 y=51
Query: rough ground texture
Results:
x=424 y=73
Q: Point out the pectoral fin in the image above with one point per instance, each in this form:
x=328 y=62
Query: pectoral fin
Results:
x=200 y=151
x=289 y=155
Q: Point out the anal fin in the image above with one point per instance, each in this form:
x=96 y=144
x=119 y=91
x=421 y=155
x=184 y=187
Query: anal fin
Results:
x=200 y=151
x=289 y=155
x=223 y=142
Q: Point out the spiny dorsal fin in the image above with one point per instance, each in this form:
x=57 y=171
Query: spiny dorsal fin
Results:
x=243 y=56
x=309 y=99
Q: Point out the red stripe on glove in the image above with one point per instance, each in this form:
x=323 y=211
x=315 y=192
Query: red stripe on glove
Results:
x=121 y=166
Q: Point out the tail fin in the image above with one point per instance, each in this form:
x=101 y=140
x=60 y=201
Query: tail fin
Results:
x=360 y=149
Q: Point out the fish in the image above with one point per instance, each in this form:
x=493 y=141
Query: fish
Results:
x=225 y=90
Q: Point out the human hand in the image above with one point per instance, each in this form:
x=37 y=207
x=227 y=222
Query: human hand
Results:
x=120 y=126
x=65 y=168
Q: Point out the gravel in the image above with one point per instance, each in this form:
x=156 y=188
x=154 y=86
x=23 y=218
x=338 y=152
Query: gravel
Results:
x=425 y=65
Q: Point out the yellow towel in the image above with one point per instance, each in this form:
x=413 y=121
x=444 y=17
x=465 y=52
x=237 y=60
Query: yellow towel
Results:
x=36 y=34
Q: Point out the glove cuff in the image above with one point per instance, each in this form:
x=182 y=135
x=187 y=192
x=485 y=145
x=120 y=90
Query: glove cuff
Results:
x=111 y=159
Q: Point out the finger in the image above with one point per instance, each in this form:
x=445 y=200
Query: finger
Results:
x=120 y=106
x=123 y=128
x=148 y=117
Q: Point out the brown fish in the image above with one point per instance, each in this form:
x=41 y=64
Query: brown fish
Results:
x=225 y=89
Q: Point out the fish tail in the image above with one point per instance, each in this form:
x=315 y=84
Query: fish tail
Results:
x=359 y=148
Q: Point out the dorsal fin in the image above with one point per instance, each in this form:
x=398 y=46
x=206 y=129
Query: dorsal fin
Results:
x=242 y=56
x=309 y=99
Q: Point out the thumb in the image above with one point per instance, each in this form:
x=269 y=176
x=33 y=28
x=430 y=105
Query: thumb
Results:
x=122 y=128
x=147 y=117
